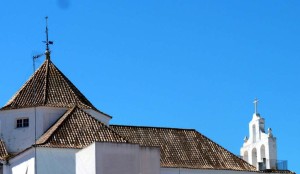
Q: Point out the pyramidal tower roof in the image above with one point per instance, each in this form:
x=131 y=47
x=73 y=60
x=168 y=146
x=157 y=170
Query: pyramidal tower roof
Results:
x=48 y=86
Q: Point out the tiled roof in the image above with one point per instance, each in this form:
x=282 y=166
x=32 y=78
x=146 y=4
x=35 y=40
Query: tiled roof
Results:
x=276 y=171
x=48 y=87
x=3 y=151
x=184 y=148
x=77 y=129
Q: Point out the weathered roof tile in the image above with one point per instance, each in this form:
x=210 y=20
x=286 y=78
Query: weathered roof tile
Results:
x=77 y=129
x=3 y=151
x=184 y=148
x=48 y=87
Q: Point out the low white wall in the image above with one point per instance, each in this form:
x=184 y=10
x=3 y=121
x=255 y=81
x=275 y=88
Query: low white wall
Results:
x=56 y=160
x=49 y=161
x=118 y=158
x=23 y=163
x=150 y=158
x=85 y=160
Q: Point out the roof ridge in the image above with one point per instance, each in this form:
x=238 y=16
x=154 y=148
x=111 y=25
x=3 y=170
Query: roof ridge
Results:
x=3 y=151
x=48 y=86
x=45 y=139
x=53 y=129
x=235 y=156
x=32 y=77
x=73 y=87
x=185 y=148
x=46 y=82
x=107 y=127
x=148 y=127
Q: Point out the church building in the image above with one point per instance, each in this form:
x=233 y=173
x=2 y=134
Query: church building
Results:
x=50 y=127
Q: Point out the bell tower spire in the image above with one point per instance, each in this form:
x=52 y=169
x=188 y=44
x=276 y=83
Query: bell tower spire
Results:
x=260 y=148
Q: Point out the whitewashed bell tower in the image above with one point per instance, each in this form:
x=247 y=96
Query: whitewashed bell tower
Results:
x=260 y=148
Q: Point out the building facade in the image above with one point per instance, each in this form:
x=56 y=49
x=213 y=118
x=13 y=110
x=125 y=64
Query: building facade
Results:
x=49 y=126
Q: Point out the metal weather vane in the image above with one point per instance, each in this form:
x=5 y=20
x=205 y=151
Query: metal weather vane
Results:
x=47 y=42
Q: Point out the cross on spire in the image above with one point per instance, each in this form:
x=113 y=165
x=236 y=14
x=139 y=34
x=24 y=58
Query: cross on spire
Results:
x=255 y=105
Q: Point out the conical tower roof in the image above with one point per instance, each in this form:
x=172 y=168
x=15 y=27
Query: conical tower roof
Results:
x=48 y=86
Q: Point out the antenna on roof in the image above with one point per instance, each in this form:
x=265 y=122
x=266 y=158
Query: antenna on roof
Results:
x=47 y=52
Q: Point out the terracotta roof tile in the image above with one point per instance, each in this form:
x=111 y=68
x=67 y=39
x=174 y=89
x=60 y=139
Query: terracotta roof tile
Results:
x=48 y=87
x=276 y=171
x=3 y=151
x=77 y=129
x=184 y=148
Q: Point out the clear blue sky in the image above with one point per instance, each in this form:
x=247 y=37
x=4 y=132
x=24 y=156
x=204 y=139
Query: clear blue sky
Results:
x=171 y=63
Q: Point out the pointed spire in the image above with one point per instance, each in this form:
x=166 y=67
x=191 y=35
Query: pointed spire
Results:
x=47 y=52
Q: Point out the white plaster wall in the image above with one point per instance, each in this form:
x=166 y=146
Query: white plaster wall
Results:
x=18 y=139
x=49 y=161
x=50 y=116
x=86 y=160
x=21 y=164
x=272 y=152
x=255 y=136
x=256 y=146
x=56 y=160
x=150 y=160
x=99 y=116
x=118 y=158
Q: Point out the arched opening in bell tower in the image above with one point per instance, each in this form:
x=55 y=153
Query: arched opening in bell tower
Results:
x=254 y=133
x=263 y=153
x=254 y=157
x=245 y=157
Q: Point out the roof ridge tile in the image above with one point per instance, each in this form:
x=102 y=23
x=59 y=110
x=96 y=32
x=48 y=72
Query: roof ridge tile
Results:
x=54 y=127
